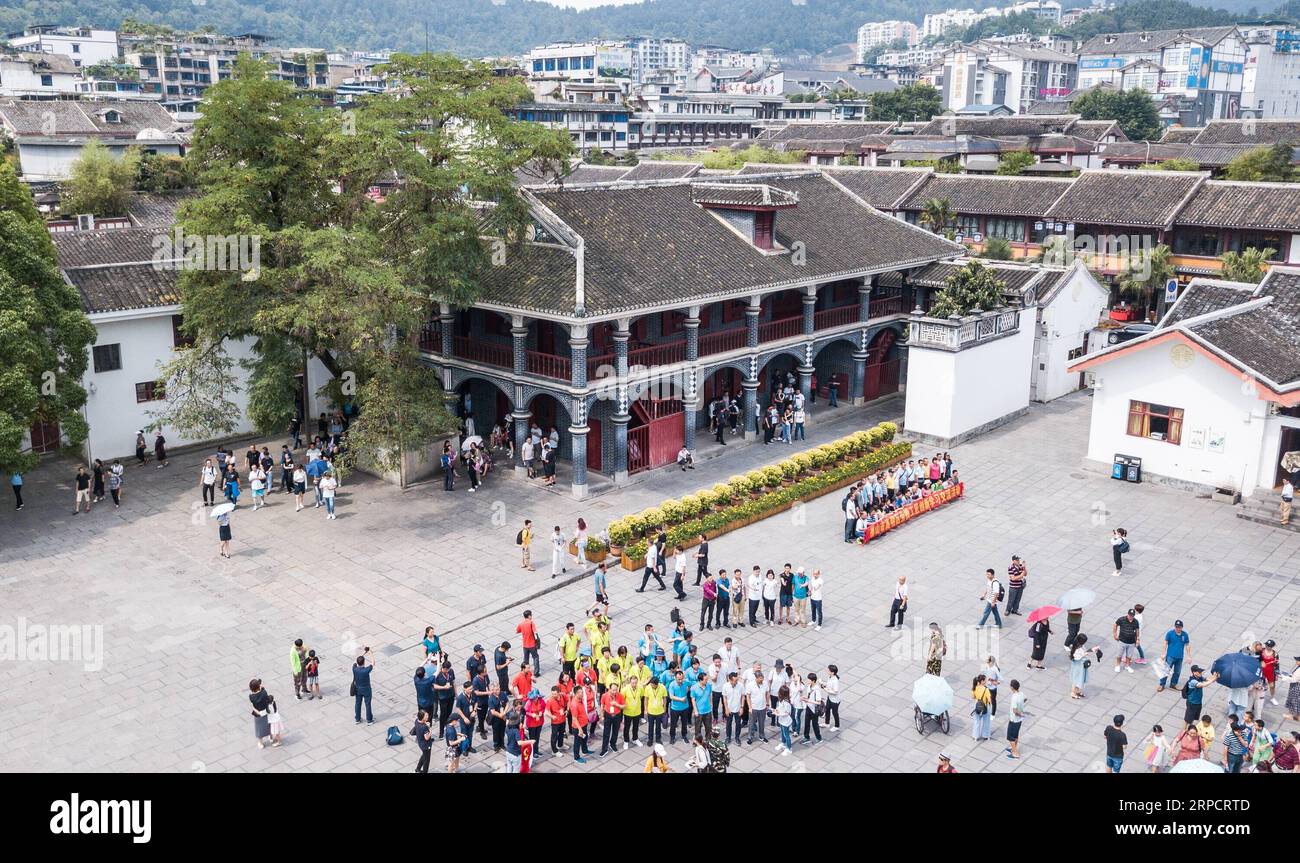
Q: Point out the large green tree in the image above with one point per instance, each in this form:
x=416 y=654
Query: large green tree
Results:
x=1263 y=164
x=913 y=102
x=973 y=288
x=1248 y=265
x=1133 y=109
x=44 y=334
x=341 y=277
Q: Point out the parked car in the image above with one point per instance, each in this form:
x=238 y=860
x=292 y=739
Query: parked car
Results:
x=1128 y=333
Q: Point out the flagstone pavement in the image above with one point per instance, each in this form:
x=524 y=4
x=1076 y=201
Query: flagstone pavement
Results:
x=184 y=630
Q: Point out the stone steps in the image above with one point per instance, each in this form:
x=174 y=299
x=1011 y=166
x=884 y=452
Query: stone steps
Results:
x=1265 y=511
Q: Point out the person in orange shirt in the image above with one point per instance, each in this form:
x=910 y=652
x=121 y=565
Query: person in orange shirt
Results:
x=523 y=682
x=579 y=725
x=534 y=718
x=611 y=705
x=565 y=684
x=658 y=761
x=557 y=709
x=586 y=674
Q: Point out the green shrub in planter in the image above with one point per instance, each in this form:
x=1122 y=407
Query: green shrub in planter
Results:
x=789 y=468
x=651 y=518
x=722 y=494
x=754 y=481
x=692 y=505
x=674 y=512
x=595 y=546
x=636 y=550
x=619 y=532
x=804 y=461
x=890 y=429
x=772 y=476
x=739 y=486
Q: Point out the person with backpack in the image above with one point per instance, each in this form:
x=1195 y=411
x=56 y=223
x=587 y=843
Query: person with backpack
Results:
x=1119 y=547
x=992 y=595
x=524 y=539
x=981 y=724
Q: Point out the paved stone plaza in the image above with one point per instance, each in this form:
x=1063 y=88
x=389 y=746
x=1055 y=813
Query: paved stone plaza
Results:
x=184 y=630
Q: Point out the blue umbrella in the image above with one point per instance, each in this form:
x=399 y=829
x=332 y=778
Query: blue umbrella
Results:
x=317 y=467
x=1236 y=670
x=932 y=694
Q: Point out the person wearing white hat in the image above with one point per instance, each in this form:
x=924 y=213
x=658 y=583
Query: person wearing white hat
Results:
x=658 y=761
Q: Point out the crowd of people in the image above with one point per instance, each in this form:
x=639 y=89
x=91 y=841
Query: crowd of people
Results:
x=605 y=699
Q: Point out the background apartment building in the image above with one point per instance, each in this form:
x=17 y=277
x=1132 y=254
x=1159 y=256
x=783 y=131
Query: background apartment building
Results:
x=873 y=34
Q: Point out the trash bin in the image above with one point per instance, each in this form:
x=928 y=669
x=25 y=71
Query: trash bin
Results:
x=1134 y=472
x=1119 y=469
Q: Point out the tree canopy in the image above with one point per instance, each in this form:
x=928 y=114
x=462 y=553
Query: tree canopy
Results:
x=1265 y=164
x=972 y=288
x=99 y=182
x=44 y=334
x=341 y=277
x=1133 y=109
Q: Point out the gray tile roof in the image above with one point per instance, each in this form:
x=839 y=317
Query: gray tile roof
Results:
x=1259 y=206
x=1030 y=125
x=1095 y=130
x=990 y=195
x=1016 y=277
x=832 y=132
x=1181 y=134
x=127 y=287
x=1143 y=41
x=661 y=170
x=647 y=246
x=1134 y=198
x=1260 y=133
x=741 y=195
x=882 y=188
x=1265 y=340
x=72 y=118
x=149 y=210
x=98 y=248
x=1203 y=296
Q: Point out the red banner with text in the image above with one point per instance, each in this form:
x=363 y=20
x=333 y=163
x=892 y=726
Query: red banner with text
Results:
x=911 y=511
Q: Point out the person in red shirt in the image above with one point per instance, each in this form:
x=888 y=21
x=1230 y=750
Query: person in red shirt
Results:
x=566 y=685
x=586 y=674
x=534 y=717
x=523 y=682
x=557 y=710
x=611 y=705
x=580 y=726
x=527 y=630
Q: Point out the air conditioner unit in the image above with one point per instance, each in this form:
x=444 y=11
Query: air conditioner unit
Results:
x=1090 y=379
x=86 y=222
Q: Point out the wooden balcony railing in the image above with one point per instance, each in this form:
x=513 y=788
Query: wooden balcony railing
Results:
x=480 y=351
x=548 y=366
x=430 y=337
x=665 y=354
x=882 y=306
x=722 y=341
x=840 y=317
x=785 y=328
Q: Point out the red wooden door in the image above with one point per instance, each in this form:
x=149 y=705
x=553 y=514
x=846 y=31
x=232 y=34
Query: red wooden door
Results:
x=593 y=444
x=45 y=437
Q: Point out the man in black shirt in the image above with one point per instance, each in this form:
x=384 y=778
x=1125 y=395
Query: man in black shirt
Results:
x=501 y=661
x=1116 y=740
x=464 y=713
x=83 y=491
x=1127 y=631
x=702 y=560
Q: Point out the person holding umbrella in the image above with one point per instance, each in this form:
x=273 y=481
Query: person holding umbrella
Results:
x=222 y=514
x=1040 y=630
x=1074 y=601
x=316 y=468
x=1239 y=672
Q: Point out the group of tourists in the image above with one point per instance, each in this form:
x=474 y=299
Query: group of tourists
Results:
x=606 y=696
x=872 y=499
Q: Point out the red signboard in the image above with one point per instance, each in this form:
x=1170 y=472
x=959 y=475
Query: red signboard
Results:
x=902 y=516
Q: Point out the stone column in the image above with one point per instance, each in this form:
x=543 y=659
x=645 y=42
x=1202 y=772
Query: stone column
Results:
x=578 y=355
x=749 y=384
x=690 y=395
x=864 y=300
x=810 y=311
x=859 y=369
x=521 y=416
x=578 y=437
x=621 y=417
x=752 y=311
x=447 y=322
x=519 y=343
x=692 y=324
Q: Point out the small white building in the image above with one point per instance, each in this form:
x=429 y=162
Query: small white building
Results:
x=37 y=76
x=50 y=135
x=1068 y=305
x=1210 y=399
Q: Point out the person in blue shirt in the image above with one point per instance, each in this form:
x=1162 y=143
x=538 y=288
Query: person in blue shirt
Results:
x=424 y=697
x=668 y=674
x=679 y=707
x=702 y=696
x=361 y=681
x=464 y=714
x=1176 y=642
x=17 y=482
x=598 y=577
x=682 y=647
x=800 y=585
x=658 y=664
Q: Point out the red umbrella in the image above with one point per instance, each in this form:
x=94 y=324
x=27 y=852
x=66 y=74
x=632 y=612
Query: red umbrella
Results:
x=1043 y=613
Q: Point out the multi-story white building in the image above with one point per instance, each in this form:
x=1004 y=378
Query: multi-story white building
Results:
x=1000 y=73
x=580 y=61
x=1048 y=9
x=876 y=33
x=1271 y=82
x=716 y=55
x=936 y=23
x=1201 y=68
x=915 y=57
x=85 y=46
x=651 y=55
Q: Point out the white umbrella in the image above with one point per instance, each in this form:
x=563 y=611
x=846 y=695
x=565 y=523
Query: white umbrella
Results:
x=932 y=694
x=221 y=509
x=1196 y=765
x=1077 y=597
x=470 y=441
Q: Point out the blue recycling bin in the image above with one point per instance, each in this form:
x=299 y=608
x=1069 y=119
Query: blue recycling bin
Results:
x=1126 y=468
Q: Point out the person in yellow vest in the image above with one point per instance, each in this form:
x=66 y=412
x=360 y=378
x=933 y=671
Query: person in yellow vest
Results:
x=570 y=642
x=598 y=638
x=632 y=709
x=655 y=696
x=640 y=671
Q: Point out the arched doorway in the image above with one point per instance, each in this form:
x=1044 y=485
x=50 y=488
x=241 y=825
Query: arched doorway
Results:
x=481 y=405
x=834 y=362
x=725 y=384
x=883 y=362
x=547 y=414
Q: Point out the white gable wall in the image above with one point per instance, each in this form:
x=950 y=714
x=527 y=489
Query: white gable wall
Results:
x=1062 y=326
x=1213 y=399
